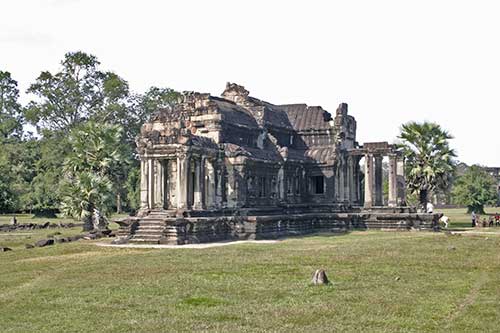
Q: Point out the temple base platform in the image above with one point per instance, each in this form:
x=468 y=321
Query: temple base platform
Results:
x=188 y=227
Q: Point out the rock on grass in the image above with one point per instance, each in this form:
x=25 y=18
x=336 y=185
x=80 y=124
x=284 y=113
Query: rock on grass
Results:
x=319 y=277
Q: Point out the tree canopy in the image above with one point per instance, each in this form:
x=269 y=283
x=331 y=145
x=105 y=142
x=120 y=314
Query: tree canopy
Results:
x=429 y=158
x=97 y=154
x=80 y=111
x=77 y=93
x=10 y=109
x=475 y=189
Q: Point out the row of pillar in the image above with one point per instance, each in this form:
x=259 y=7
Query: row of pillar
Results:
x=347 y=180
x=374 y=181
x=197 y=184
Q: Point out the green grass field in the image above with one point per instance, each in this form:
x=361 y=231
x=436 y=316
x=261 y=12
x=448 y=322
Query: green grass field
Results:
x=382 y=282
x=461 y=219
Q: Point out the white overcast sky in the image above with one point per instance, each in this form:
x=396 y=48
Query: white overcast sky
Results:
x=391 y=61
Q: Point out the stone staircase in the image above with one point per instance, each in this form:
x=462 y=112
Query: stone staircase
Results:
x=151 y=228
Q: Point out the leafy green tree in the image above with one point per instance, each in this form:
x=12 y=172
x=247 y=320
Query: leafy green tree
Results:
x=429 y=158
x=97 y=151
x=17 y=169
x=133 y=188
x=475 y=189
x=159 y=98
x=63 y=101
x=77 y=93
x=7 y=196
x=10 y=143
x=139 y=109
x=10 y=109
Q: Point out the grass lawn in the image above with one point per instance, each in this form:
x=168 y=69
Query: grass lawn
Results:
x=382 y=281
x=461 y=219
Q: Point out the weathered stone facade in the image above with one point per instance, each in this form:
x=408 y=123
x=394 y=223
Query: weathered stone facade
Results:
x=216 y=168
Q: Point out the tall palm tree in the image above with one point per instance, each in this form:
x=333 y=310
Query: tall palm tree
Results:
x=97 y=156
x=428 y=156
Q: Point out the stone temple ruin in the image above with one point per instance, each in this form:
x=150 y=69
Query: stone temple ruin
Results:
x=236 y=167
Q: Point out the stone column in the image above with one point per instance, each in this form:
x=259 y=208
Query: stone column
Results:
x=210 y=185
x=348 y=179
x=182 y=180
x=231 y=186
x=379 y=194
x=341 y=186
x=159 y=186
x=400 y=177
x=151 y=183
x=393 y=189
x=203 y=183
x=336 y=191
x=368 y=181
x=355 y=180
x=144 y=184
x=281 y=183
x=218 y=185
x=197 y=195
x=172 y=183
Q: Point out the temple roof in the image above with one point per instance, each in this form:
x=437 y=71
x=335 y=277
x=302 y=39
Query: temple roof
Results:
x=304 y=117
x=234 y=114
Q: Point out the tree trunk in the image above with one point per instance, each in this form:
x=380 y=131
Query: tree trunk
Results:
x=86 y=218
x=118 y=203
x=423 y=197
x=478 y=209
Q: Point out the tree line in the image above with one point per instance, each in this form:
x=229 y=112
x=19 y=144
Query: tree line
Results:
x=82 y=160
x=83 y=152
x=431 y=169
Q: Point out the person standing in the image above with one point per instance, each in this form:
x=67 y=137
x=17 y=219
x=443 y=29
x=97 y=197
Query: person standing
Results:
x=473 y=219
x=429 y=208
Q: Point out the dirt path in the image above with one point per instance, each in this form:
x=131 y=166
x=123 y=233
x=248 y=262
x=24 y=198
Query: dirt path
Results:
x=475 y=232
x=187 y=246
x=468 y=300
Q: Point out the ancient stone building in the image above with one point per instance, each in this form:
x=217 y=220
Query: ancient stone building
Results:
x=235 y=166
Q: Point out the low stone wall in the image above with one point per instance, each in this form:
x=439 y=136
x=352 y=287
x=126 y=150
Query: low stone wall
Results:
x=212 y=229
x=35 y=226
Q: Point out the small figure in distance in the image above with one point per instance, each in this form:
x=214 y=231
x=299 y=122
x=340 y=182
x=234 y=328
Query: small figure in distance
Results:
x=484 y=222
x=474 y=217
x=445 y=220
x=429 y=208
x=497 y=219
x=490 y=221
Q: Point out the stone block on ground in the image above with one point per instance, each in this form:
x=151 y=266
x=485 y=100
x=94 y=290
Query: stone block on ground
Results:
x=320 y=278
x=120 y=240
x=44 y=242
